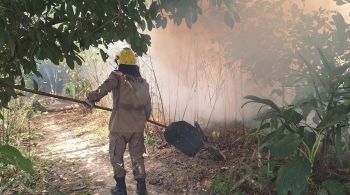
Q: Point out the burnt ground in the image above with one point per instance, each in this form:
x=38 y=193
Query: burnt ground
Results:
x=74 y=146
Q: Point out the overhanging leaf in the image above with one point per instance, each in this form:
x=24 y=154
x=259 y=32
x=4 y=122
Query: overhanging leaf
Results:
x=70 y=62
x=153 y=9
x=292 y=177
x=188 y=20
x=262 y=101
x=103 y=55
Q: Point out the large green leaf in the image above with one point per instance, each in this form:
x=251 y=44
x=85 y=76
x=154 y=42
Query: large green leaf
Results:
x=284 y=146
x=333 y=116
x=292 y=116
x=334 y=187
x=14 y=157
x=70 y=62
x=270 y=139
x=292 y=177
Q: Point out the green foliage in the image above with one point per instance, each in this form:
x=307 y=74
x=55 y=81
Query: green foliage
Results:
x=15 y=169
x=230 y=15
x=150 y=140
x=69 y=88
x=284 y=146
x=266 y=174
x=293 y=177
x=334 y=116
x=59 y=30
x=19 y=174
x=290 y=135
x=279 y=34
x=10 y=155
x=221 y=184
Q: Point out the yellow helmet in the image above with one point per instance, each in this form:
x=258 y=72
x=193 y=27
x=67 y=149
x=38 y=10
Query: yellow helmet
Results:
x=126 y=56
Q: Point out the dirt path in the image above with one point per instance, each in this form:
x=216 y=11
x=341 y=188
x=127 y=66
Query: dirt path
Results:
x=63 y=140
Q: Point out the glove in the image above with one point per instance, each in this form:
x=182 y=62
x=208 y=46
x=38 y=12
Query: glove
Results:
x=89 y=103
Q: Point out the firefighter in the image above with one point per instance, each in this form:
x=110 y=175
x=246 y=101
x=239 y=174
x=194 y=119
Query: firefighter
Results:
x=131 y=109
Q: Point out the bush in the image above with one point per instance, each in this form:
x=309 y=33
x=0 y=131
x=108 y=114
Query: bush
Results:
x=299 y=147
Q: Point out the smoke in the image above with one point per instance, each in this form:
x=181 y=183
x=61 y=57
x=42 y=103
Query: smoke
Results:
x=195 y=79
x=204 y=72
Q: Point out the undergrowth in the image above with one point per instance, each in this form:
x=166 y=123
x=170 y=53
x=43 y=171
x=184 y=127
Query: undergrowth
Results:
x=17 y=172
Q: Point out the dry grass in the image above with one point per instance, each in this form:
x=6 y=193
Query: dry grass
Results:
x=167 y=168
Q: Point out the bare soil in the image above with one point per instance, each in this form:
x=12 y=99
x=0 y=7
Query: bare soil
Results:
x=76 y=145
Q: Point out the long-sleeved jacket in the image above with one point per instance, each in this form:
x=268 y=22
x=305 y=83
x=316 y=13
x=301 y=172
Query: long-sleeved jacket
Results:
x=131 y=101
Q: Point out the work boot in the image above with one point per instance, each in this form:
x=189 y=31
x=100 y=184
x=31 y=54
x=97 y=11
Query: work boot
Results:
x=141 y=186
x=120 y=188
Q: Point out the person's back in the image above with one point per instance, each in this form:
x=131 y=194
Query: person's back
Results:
x=131 y=110
x=131 y=104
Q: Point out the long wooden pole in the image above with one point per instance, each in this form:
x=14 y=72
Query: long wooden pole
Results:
x=64 y=98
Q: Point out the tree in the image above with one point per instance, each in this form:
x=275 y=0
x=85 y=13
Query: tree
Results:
x=57 y=30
